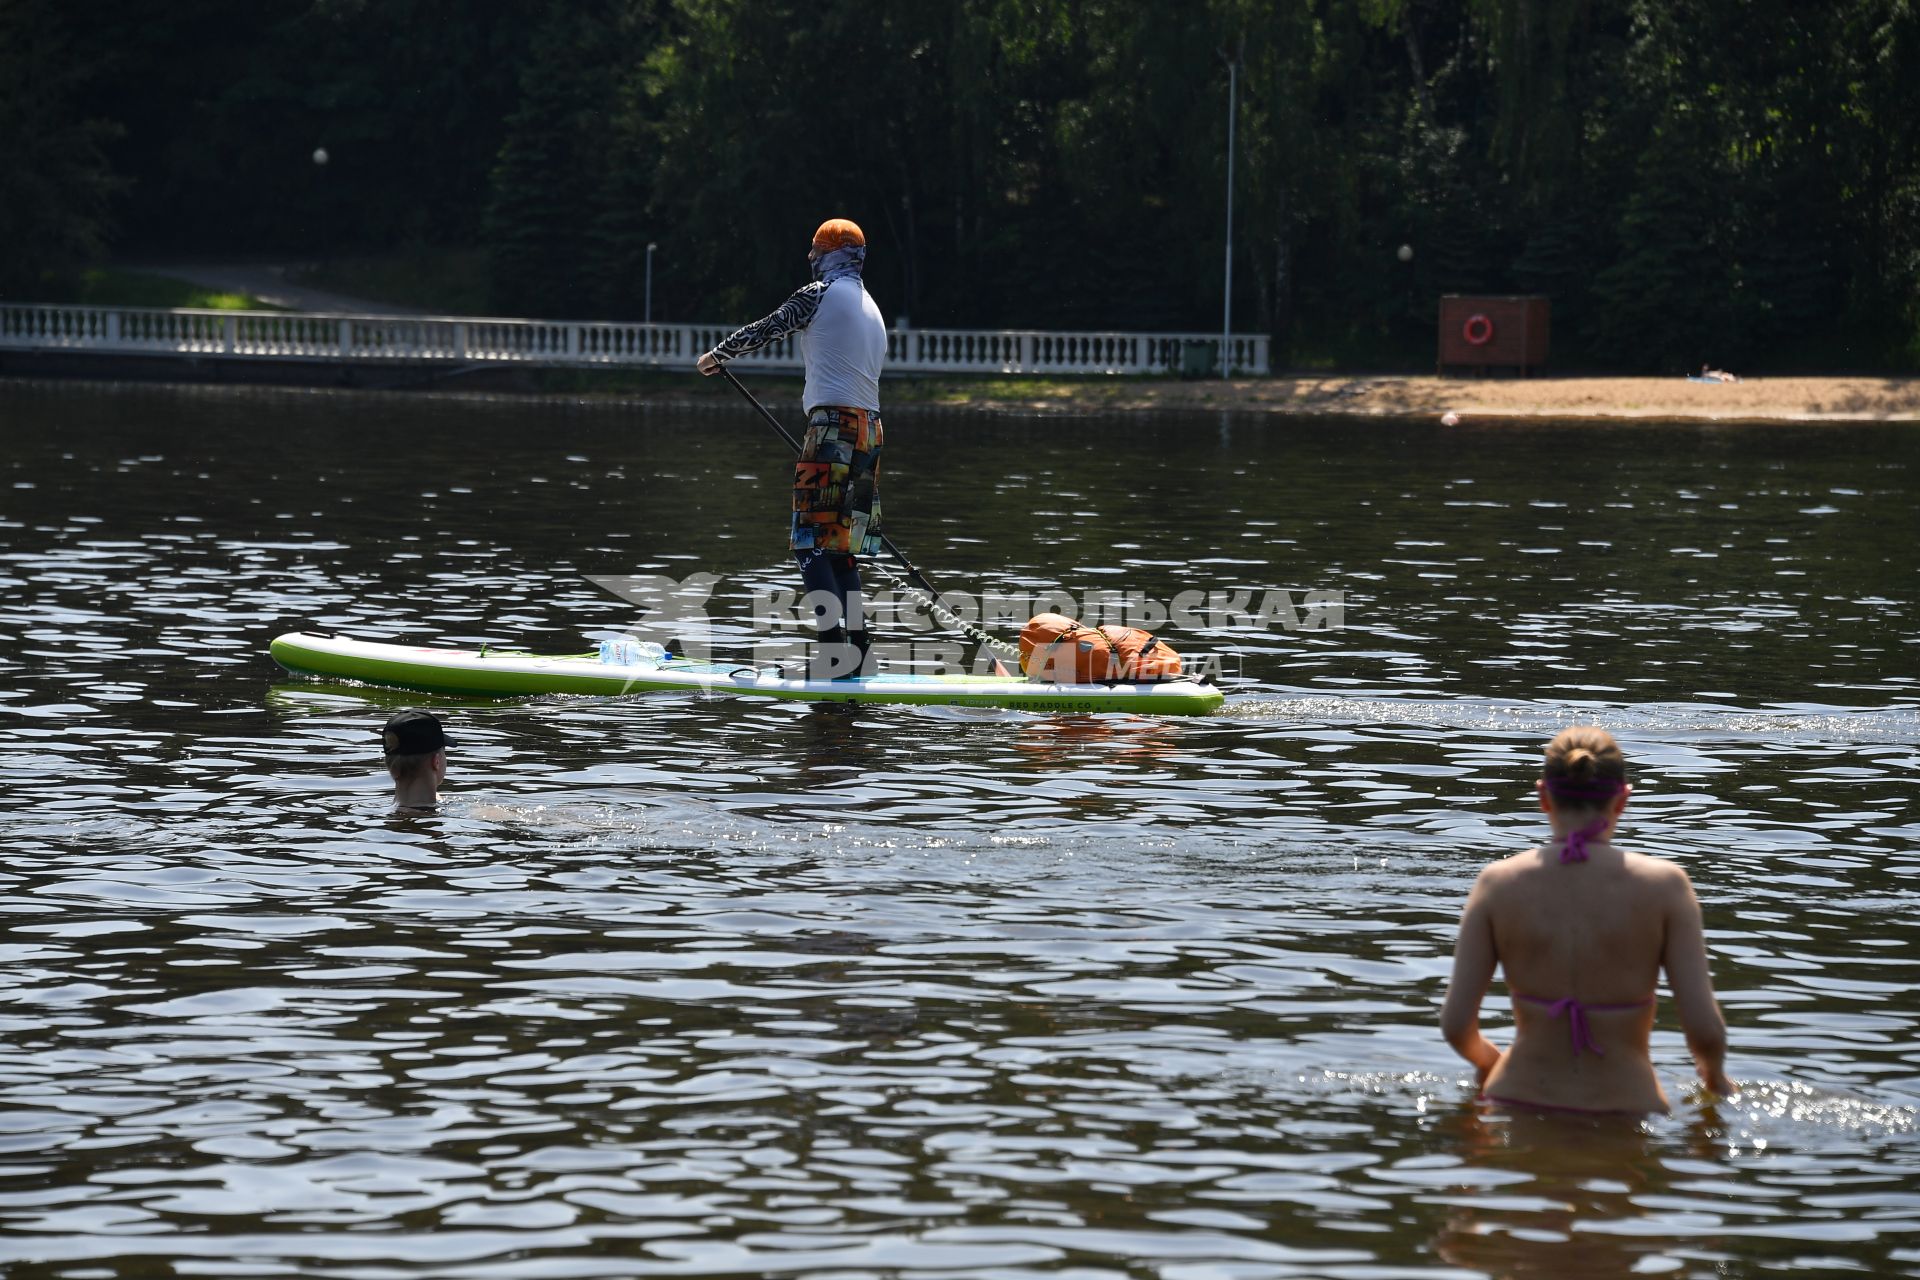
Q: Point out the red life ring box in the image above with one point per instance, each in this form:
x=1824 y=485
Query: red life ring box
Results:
x=1490 y=332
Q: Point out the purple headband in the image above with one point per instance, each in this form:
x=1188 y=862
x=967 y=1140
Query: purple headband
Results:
x=1597 y=789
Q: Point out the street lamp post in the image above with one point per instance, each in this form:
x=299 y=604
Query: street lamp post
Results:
x=1226 y=320
x=649 y=305
x=320 y=158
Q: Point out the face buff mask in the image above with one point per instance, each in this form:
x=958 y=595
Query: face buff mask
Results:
x=837 y=263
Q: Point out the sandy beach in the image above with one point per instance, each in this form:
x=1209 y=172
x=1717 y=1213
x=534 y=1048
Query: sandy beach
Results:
x=1376 y=396
x=1816 y=399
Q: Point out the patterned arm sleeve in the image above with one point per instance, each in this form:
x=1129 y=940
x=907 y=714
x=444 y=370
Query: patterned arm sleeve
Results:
x=793 y=315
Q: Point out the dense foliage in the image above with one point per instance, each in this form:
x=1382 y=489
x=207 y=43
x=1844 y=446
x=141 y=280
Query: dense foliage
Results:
x=1735 y=181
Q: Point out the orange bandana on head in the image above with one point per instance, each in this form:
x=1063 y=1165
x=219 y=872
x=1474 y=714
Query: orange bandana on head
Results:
x=838 y=233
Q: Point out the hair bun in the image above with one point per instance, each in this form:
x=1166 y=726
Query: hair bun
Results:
x=1585 y=754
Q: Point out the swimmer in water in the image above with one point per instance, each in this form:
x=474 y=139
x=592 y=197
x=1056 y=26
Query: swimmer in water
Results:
x=1582 y=930
x=415 y=745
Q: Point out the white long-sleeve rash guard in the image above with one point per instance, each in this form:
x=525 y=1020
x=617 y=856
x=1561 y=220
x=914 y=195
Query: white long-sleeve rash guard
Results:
x=843 y=338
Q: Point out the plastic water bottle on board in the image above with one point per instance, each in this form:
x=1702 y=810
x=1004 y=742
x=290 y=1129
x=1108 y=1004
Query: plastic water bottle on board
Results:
x=625 y=651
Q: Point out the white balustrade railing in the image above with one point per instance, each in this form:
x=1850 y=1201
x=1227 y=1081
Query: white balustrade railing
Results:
x=373 y=339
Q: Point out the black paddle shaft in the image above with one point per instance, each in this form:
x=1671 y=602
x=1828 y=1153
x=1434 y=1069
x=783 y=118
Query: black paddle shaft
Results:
x=919 y=579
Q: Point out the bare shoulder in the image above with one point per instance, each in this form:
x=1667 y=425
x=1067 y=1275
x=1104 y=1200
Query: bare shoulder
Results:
x=1503 y=871
x=1668 y=877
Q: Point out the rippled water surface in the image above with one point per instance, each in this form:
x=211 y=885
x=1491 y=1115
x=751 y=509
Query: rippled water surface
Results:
x=708 y=987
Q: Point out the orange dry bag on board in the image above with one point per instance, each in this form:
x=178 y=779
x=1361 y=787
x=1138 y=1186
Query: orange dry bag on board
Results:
x=1140 y=655
x=1056 y=648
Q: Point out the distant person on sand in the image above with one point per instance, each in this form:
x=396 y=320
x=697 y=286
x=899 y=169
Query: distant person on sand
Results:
x=415 y=745
x=1715 y=375
x=836 y=498
x=1582 y=930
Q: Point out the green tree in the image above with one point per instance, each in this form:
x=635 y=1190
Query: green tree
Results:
x=546 y=187
x=1743 y=174
x=1664 y=299
x=56 y=187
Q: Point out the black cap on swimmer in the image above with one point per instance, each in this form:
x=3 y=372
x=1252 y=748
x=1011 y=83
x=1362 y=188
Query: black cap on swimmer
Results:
x=413 y=733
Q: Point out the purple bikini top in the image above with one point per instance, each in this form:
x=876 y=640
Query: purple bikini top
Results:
x=1575 y=1012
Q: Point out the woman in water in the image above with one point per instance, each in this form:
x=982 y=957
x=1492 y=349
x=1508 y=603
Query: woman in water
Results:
x=1582 y=930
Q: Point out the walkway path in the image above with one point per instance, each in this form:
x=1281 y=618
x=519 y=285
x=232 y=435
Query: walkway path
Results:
x=268 y=282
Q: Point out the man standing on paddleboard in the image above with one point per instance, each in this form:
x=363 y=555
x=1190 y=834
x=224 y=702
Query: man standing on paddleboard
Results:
x=836 y=498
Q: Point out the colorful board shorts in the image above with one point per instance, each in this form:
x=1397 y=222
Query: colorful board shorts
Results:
x=836 y=493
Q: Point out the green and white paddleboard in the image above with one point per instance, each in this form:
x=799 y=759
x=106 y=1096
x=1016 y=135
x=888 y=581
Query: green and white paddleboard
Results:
x=506 y=673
